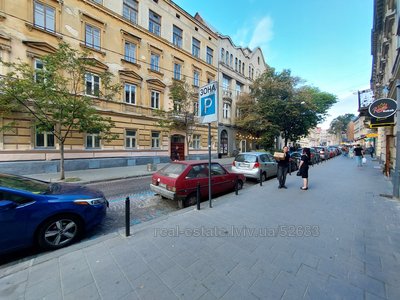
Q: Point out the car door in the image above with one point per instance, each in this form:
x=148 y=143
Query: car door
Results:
x=220 y=179
x=198 y=174
x=263 y=161
x=15 y=212
x=272 y=165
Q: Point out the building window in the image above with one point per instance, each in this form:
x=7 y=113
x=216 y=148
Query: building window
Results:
x=130 y=10
x=38 y=65
x=177 y=36
x=240 y=66
x=226 y=113
x=44 y=16
x=243 y=68
x=92 y=140
x=92 y=37
x=222 y=54
x=130 y=52
x=227 y=58
x=130 y=93
x=236 y=62
x=154 y=23
x=249 y=71
x=196 y=108
x=196 y=78
x=177 y=71
x=92 y=84
x=196 y=141
x=44 y=139
x=155 y=139
x=98 y=1
x=231 y=60
x=225 y=83
x=155 y=100
x=258 y=60
x=209 y=57
x=130 y=138
x=238 y=89
x=195 y=48
x=155 y=62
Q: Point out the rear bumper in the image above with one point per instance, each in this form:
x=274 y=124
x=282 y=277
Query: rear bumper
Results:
x=163 y=192
x=254 y=173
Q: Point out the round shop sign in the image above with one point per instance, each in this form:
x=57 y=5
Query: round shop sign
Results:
x=382 y=108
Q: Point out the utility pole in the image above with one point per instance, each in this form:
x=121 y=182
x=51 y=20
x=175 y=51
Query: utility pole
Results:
x=396 y=175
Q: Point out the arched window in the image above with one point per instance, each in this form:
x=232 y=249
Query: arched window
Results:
x=236 y=62
x=227 y=58
x=224 y=142
x=231 y=61
x=222 y=54
x=240 y=66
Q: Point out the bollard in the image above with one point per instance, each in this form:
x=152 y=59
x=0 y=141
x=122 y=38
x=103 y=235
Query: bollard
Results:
x=127 y=216
x=236 y=186
x=261 y=175
x=198 y=196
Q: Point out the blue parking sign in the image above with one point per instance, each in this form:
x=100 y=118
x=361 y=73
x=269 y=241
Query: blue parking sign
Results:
x=208 y=104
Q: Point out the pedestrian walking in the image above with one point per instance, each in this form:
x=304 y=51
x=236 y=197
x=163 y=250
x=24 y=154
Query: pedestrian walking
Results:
x=283 y=168
x=359 y=154
x=371 y=150
x=303 y=168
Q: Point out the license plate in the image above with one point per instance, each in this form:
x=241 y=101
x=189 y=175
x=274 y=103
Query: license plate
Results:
x=163 y=185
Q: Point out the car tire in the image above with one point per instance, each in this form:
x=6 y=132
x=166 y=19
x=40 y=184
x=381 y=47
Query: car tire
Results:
x=191 y=200
x=263 y=177
x=59 y=231
x=240 y=185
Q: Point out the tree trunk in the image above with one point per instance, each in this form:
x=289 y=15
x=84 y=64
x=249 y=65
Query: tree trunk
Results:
x=62 y=171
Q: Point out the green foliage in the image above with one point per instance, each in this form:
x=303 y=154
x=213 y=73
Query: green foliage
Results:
x=54 y=97
x=279 y=104
x=339 y=124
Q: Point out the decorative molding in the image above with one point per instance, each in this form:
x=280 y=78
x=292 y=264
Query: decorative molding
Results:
x=93 y=62
x=157 y=83
x=130 y=35
x=36 y=48
x=130 y=74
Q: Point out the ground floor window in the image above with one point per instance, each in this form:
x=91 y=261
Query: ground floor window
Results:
x=155 y=139
x=92 y=140
x=44 y=139
x=130 y=138
x=196 y=141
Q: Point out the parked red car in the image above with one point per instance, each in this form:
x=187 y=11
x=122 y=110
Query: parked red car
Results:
x=178 y=181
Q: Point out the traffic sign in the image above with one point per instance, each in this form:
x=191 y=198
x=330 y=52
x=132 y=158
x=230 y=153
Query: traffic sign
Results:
x=208 y=103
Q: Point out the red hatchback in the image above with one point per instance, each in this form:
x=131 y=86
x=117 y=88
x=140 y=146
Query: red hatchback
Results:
x=178 y=181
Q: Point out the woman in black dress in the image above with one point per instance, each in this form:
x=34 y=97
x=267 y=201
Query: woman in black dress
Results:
x=305 y=158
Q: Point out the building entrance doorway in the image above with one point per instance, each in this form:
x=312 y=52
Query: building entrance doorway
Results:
x=177 y=147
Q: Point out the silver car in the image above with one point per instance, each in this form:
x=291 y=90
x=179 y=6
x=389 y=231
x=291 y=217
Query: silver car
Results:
x=250 y=164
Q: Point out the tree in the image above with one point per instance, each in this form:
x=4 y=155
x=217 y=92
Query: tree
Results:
x=181 y=115
x=340 y=123
x=54 y=97
x=288 y=107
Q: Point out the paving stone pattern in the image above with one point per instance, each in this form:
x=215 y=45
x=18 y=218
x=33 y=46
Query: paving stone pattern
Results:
x=353 y=251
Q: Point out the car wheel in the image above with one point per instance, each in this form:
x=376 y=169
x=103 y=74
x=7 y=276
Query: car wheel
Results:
x=59 y=231
x=240 y=184
x=191 y=200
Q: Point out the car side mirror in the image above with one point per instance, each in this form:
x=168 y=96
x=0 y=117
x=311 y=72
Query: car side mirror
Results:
x=7 y=205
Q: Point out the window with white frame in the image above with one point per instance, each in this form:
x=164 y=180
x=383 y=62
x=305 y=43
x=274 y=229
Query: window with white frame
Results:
x=130 y=93
x=227 y=58
x=44 y=16
x=130 y=138
x=226 y=112
x=92 y=140
x=225 y=83
x=130 y=52
x=196 y=78
x=231 y=60
x=92 y=37
x=177 y=71
x=154 y=23
x=196 y=108
x=196 y=141
x=44 y=139
x=39 y=67
x=177 y=34
x=155 y=62
x=92 y=84
x=155 y=139
x=222 y=54
x=236 y=63
x=155 y=100
x=98 y=1
x=195 y=47
x=130 y=10
x=209 y=56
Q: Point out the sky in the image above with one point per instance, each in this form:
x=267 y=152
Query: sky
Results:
x=325 y=42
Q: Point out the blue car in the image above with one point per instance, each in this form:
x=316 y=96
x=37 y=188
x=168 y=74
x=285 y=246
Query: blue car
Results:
x=49 y=215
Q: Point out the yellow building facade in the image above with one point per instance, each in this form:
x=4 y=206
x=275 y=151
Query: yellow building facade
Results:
x=145 y=44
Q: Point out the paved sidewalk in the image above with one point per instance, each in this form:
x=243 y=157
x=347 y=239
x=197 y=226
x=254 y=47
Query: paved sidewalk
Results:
x=105 y=174
x=353 y=251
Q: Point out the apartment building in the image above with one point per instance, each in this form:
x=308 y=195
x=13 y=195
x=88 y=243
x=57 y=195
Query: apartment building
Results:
x=146 y=44
x=238 y=67
x=385 y=43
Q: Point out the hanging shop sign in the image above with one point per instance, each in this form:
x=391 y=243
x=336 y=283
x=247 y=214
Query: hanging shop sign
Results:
x=382 y=108
x=381 y=122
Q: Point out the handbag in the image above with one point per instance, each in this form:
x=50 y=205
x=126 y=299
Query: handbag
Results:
x=364 y=160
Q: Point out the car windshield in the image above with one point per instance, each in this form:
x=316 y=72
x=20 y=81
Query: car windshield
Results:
x=246 y=158
x=172 y=170
x=23 y=183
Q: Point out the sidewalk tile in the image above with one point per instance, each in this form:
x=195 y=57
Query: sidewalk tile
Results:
x=190 y=289
x=217 y=283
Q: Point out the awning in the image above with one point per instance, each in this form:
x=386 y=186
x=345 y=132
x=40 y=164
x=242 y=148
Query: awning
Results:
x=371 y=135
